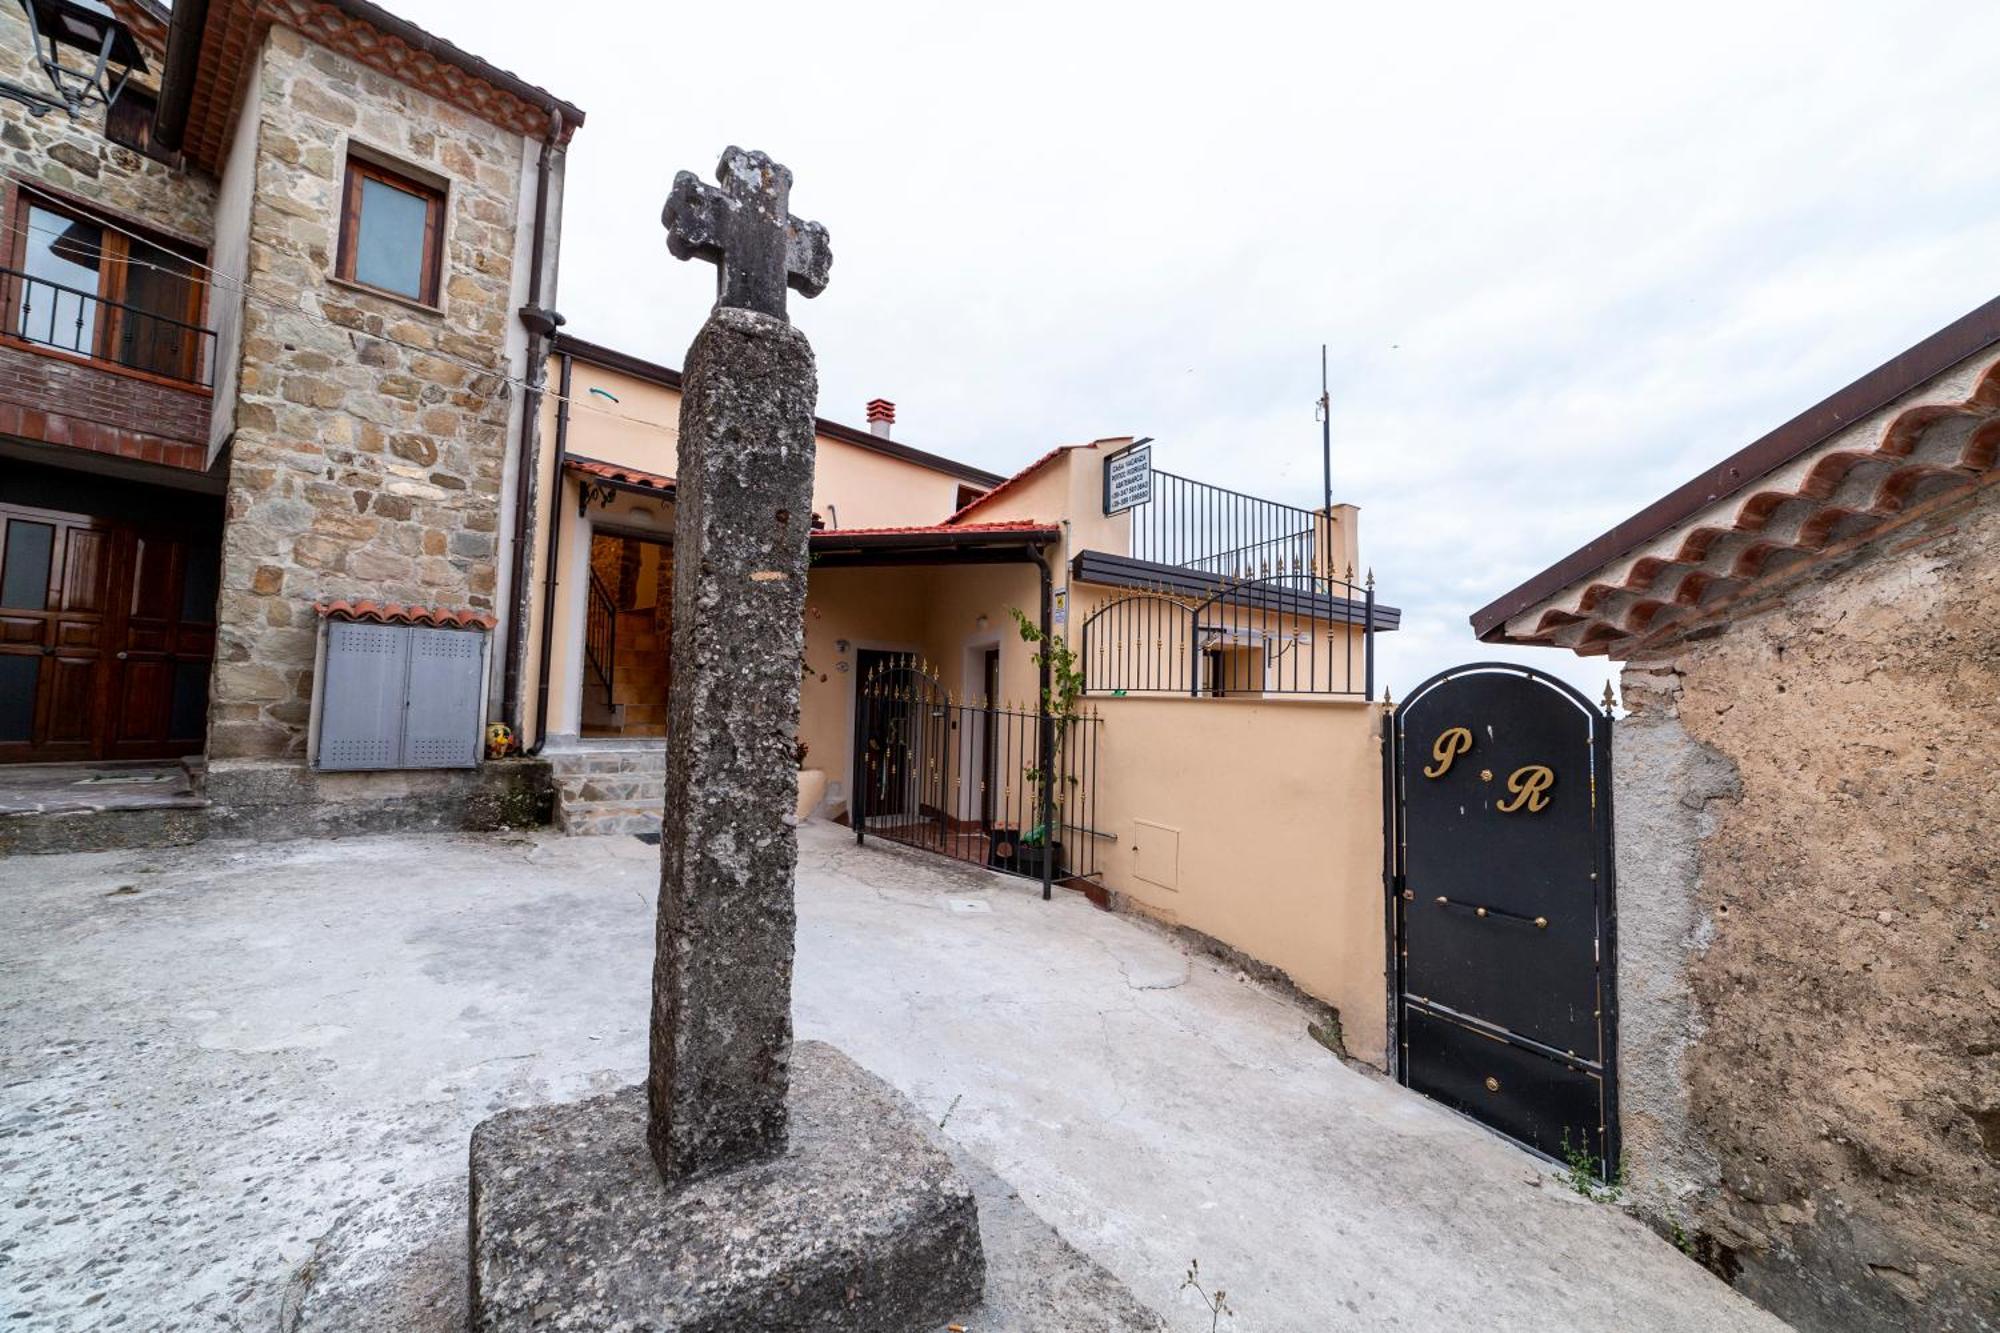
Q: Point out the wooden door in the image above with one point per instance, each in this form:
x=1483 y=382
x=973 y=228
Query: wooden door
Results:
x=107 y=634
x=164 y=645
x=56 y=576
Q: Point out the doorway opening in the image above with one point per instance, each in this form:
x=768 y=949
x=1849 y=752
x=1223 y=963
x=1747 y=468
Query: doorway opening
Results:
x=628 y=631
x=107 y=617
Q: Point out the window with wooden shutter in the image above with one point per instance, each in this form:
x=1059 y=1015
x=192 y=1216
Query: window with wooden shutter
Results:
x=391 y=232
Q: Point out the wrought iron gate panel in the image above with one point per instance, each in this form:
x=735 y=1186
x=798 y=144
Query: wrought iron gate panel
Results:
x=964 y=777
x=1502 y=904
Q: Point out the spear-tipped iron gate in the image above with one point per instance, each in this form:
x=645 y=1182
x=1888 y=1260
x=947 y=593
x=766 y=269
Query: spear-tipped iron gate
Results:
x=1499 y=871
x=967 y=778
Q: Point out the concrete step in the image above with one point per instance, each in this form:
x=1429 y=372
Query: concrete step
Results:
x=586 y=788
x=608 y=759
x=586 y=819
x=609 y=788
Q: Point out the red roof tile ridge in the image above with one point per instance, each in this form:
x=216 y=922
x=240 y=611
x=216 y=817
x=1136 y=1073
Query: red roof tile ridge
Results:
x=619 y=472
x=1008 y=525
x=395 y=613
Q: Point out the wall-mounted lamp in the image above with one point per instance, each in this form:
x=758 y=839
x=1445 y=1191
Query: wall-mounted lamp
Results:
x=981 y=623
x=110 y=56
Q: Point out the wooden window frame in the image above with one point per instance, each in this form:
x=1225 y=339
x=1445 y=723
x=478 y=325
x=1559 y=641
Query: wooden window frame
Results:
x=114 y=267
x=361 y=168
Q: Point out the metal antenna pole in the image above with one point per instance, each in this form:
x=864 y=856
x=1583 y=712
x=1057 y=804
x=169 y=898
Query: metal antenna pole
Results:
x=1326 y=462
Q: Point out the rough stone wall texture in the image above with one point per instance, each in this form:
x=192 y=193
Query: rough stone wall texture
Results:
x=1808 y=909
x=362 y=467
x=73 y=156
x=722 y=976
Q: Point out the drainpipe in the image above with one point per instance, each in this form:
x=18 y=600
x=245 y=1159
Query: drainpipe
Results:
x=1047 y=724
x=540 y=324
x=555 y=555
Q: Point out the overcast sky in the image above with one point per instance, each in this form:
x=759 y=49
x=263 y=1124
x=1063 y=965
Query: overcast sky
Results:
x=1564 y=256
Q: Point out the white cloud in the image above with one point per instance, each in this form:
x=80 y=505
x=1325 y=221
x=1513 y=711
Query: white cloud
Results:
x=1566 y=255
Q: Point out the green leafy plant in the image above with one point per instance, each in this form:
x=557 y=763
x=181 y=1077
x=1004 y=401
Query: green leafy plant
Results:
x=1216 y=1305
x=1580 y=1174
x=1065 y=688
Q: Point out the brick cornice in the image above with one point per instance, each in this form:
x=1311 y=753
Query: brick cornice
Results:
x=234 y=31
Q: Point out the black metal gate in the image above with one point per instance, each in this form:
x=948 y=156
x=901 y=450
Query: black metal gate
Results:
x=966 y=778
x=1502 y=906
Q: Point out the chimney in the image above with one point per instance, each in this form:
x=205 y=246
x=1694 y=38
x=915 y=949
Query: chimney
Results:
x=881 y=416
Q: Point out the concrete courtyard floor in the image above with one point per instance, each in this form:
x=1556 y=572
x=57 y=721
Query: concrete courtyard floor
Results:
x=209 y=1055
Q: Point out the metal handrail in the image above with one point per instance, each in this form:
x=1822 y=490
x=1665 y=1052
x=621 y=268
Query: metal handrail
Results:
x=600 y=636
x=168 y=347
x=1196 y=525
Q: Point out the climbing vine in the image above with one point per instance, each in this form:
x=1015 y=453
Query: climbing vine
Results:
x=1060 y=698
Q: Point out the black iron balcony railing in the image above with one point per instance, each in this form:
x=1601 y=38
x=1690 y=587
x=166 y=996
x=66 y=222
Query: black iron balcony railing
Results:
x=1198 y=526
x=70 y=319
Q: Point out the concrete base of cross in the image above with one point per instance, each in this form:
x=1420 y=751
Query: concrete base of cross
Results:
x=861 y=1224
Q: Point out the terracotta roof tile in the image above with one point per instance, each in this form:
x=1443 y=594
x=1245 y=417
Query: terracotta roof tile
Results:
x=630 y=476
x=1021 y=525
x=394 y=613
x=1882 y=471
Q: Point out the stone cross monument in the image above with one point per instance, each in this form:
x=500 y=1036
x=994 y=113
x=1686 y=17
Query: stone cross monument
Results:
x=722 y=978
x=750 y=1183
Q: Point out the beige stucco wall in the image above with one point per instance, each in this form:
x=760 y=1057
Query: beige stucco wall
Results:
x=1259 y=824
x=933 y=612
x=1809 y=942
x=851 y=484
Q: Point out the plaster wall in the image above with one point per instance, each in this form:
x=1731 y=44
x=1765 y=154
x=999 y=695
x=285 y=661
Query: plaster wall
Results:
x=1810 y=954
x=1067 y=490
x=1259 y=824
x=231 y=259
x=641 y=430
x=932 y=611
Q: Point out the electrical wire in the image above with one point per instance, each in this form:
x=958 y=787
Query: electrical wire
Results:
x=22 y=227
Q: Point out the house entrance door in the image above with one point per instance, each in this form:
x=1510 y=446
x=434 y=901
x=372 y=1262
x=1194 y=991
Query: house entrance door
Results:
x=107 y=632
x=1502 y=901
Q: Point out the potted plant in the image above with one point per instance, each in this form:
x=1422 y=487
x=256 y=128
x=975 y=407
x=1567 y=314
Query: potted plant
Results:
x=1042 y=844
x=812 y=785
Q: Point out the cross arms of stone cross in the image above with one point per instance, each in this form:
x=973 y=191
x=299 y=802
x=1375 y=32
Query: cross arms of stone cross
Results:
x=745 y=228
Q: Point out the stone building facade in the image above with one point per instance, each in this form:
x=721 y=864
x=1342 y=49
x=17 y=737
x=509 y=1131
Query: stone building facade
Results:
x=369 y=466
x=1807 y=794
x=366 y=436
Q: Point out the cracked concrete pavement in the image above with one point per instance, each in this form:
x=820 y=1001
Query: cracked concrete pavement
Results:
x=211 y=1054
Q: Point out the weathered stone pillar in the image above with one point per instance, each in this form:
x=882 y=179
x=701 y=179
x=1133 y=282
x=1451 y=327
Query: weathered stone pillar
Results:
x=722 y=978
x=767 y=1205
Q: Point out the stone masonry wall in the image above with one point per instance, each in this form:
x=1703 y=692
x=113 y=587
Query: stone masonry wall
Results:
x=1809 y=856
x=362 y=467
x=74 y=156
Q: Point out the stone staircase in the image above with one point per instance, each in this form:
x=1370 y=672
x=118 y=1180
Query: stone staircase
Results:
x=609 y=786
